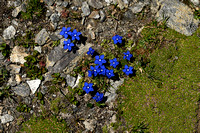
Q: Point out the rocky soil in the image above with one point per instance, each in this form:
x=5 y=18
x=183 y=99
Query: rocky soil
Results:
x=97 y=20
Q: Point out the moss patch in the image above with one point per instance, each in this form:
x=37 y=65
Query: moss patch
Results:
x=165 y=96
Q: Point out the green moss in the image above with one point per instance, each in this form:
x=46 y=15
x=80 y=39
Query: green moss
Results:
x=47 y=125
x=55 y=105
x=165 y=96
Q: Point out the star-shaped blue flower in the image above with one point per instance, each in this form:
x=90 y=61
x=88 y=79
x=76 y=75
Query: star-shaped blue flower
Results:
x=95 y=70
x=99 y=60
x=65 y=32
x=102 y=70
x=114 y=62
x=88 y=87
x=91 y=51
x=98 y=97
x=117 y=39
x=68 y=45
x=75 y=35
x=110 y=73
x=128 y=70
x=127 y=55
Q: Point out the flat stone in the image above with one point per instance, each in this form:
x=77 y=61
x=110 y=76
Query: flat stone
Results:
x=77 y=2
x=14 y=68
x=41 y=37
x=55 y=18
x=136 y=8
x=15 y=23
x=116 y=84
x=70 y=80
x=34 y=84
x=90 y=124
x=38 y=48
x=18 y=78
x=77 y=81
x=18 y=54
x=178 y=16
x=65 y=4
x=94 y=15
x=16 y=11
x=95 y=4
x=22 y=90
x=102 y=15
x=123 y=3
x=17 y=3
x=85 y=9
x=1 y=56
x=9 y=32
x=195 y=2
x=6 y=118
x=110 y=97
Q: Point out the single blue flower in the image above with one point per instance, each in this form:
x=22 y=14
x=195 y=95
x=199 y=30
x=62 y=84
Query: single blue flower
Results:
x=68 y=45
x=114 y=62
x=98 y=97
x=65 y=32
x=128 y=70
x=102 y=70
x=91 y=51
x=88 y=87
x=95 y=70
x=99 y=60
x=90 y=73
x=127 y=55
x=110 y=73
x=117 y=39
x=75 y=35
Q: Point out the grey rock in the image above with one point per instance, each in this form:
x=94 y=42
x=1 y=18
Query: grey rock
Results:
x=65 y=4
x=6 y=118
x=136 y=8
x=95 y=4
x=129 y=15
x=38 y=48
x=109 y=2
x=123 y=3
x=22 y=90
x=77 y=2
x=94 y=15
x=195 y=2
x=49 y=2
x=102 y=15
x=49 y=13
x=178 y=16
x=16 y=11
x=34 y=84
x=116 y=84
x=70 y=80
x=110 y=97
x=41 y=37
x=74 y=8
x=14 y=68
x=12 y=81
x=23 y=7
x=14 y=22
x=59 y=9
x=18 y=54
x=90 y=124
x=17 y=3
x=55 y=18
x=9 y=32
x=85 y=9
x=77 y=81
x=1 y=56
x=1 y=40
x=54 y=37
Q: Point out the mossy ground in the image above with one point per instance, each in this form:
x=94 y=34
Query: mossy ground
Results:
x=164 y=94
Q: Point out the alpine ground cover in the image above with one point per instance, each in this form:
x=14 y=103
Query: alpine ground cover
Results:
x=164 y=94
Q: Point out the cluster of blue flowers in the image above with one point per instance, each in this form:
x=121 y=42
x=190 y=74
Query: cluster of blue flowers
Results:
x=100 y=69
x=72 y=36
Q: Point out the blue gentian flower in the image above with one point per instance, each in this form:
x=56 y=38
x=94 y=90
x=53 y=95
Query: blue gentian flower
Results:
x=90 y=73
x=68 y=45
x=98 y=97
x=114 y=62
x=127 y=55
x=88 y=87
x=99 y=60
x=128 y=70
x=95 y=70
x=110 y=73
x=75 y=35
x=65 y=32
x=117 y=39
x=91 y=51
x=102 y=70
